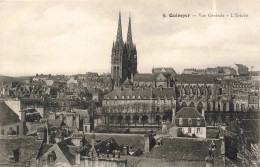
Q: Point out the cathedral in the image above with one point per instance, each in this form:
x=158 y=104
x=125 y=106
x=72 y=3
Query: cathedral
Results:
x=123 y=57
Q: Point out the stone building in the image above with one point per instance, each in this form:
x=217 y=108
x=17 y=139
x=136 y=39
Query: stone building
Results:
x=201 y=92
x=240 y=69
x=123 y=57
x=139 y=105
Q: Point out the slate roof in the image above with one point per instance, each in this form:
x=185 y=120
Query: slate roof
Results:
x=174 y=149
x=164 y=69
x=149 y=77
x=188 y=112
x=82 y=112
x=241 y=66
x=186 y=78
x=134 y=140
x=127 y=82
x=8 y=116
x=29 y=147
x=143 y=93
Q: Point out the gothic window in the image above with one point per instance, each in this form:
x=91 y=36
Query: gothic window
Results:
x=237 y=107
x=242 y=107
x=209 y=90
x=202 y=90
x=208 y=107
x=187 y=90
x=218 y=107
x=180 y=121
x=192 y=104
x=179 y=89
x=194 y=90
x=224 y=107
x=183 y=104
x=200 y=107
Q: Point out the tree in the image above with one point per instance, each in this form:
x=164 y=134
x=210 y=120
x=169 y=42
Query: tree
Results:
x=144 y=119
x=158 y=118
x=111 y=118
x=120 y=119
x=135 y=119
x=127 y=119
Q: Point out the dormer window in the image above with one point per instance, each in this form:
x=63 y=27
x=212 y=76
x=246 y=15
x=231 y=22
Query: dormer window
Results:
x=189 y=121
x=198 y=122
x=180 y=121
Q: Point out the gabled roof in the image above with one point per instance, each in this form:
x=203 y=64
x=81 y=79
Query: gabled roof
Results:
x=164 y=70
x=174 y=149
x=8 y=116
x=241 y=66
x=127 y=82
x=188 y=112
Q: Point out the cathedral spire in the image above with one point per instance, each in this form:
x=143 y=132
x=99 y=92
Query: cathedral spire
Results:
x=129 y=32
x=119 y=36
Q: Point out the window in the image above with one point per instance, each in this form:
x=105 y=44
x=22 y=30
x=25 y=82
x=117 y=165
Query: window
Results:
x=180 y=121
x=2 y=131
x=198 y=130
x=189 y=121
x=198 y=121
x=189 y=130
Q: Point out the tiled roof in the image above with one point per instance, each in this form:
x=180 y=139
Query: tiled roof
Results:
x=8 y=116
x=188 y=112
x=185 y=78
x=143 y=93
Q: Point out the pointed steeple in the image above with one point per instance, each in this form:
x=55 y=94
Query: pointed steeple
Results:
x=119 y=36
x=129 y=32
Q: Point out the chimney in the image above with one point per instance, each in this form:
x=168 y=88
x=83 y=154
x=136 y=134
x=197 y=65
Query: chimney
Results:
x=126 y=150
x=147 y=143
x=173 y=115
x=47 y=132
x=132 y=77
x=16 y=153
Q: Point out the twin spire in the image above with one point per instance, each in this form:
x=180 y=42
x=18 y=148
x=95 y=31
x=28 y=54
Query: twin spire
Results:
x=119 y=37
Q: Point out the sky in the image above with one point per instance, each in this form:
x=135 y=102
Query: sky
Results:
x=75 y=37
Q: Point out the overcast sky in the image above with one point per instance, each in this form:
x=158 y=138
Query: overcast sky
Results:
x=70 y=37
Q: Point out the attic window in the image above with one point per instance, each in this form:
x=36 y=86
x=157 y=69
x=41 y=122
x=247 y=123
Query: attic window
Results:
x=189 y=121
x=181 y=121
x=198 y=121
